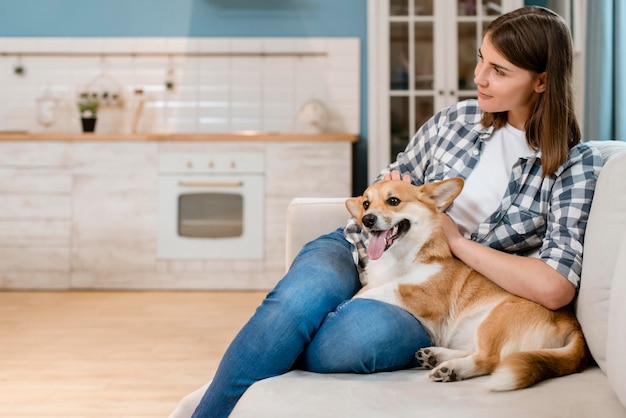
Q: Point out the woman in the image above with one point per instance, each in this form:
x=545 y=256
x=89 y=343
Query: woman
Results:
x=529 y=185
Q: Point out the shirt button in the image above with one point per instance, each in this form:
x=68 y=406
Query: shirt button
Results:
x=475 y=152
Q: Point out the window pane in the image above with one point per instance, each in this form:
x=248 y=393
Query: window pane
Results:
x=424 y=56
x=399 y=56
x=468 y=52
x=399 y=7
x=399 y=120
x=467 y=8
x=461 y=98
x=492 y=7
x=423 y=7
x=424 y=110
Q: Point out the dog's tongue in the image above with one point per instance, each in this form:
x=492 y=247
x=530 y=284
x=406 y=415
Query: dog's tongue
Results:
x=377 y=245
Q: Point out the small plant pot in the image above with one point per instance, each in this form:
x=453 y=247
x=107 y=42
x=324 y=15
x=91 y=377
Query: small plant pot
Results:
x=89 y=124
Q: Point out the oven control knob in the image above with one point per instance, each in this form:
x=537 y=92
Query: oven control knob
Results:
x=189 y=164
x=233 y=164
x=211 y=165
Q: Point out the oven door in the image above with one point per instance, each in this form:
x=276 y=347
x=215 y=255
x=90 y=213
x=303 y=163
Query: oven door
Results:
x=211 y=217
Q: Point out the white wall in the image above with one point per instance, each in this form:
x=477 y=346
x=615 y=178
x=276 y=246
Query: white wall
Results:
x=223 y=92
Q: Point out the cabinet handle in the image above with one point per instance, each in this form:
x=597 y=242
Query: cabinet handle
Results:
x=210 y=183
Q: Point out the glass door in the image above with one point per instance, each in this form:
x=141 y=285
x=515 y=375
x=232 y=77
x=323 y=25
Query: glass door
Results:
x=210 y=215
x=411 y=69
x=471 y=21
x=432 y=53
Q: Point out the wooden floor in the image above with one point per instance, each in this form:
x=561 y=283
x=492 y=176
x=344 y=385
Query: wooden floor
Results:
x=111 y=354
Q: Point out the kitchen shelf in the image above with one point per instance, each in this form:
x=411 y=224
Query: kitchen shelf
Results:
x=160 y=54
x=191 y=137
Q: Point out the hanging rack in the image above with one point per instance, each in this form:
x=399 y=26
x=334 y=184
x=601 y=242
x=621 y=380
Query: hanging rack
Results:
x=162 y=54
x=103 y=77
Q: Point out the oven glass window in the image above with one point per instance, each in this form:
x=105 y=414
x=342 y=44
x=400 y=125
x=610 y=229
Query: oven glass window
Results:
x=210 y=215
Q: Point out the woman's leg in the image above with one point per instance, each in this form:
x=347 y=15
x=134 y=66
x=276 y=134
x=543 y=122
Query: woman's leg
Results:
x=320 y=278
x=365 y=336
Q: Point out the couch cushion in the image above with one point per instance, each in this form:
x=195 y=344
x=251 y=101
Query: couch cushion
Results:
x=328 y=213
x=606 y=227
x=409 y=393
x=616 y=341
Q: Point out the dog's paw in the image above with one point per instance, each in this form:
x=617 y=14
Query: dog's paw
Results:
x=443 y=374
x=426 y=358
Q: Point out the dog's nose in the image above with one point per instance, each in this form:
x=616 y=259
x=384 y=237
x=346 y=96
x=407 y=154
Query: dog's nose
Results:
x=369 y=220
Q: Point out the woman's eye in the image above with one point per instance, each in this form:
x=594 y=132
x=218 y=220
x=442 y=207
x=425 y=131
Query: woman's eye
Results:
x=393 y=201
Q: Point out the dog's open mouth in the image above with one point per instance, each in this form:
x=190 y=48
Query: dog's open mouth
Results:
x=381 y=240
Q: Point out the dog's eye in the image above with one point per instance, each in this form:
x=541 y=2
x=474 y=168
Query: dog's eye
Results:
x=393 y=201
x=366 y=204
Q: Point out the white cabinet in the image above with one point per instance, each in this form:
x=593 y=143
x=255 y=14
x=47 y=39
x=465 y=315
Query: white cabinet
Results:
x=83 y=214
x=114 y=215
x=422 y=55
x=35 y=215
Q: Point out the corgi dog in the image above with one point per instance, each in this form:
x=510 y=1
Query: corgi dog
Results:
x=477 y=327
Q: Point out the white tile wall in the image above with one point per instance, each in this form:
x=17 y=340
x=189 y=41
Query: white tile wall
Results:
x=212 y=93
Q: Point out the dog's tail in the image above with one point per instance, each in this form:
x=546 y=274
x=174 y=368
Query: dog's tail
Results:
x=525 y=368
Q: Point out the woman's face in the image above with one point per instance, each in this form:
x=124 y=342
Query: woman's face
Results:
x=503 y=87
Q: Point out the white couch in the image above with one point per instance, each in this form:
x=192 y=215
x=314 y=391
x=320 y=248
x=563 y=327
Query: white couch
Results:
x=600 y=391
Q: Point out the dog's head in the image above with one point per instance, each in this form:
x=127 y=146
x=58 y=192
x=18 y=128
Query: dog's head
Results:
x=389 y=210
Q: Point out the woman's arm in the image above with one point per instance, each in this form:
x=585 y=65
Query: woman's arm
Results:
x=550 y=280
x=530 y=278
x=527 y=277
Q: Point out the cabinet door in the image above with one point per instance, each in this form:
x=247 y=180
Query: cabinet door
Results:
x=429 y=50
x=35 y=213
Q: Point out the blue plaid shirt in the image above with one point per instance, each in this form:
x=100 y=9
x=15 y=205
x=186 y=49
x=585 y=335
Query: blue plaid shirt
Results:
x=549 y=214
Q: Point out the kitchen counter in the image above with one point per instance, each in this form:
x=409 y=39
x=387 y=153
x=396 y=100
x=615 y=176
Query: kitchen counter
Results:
x=232 y=136
x=82 y=211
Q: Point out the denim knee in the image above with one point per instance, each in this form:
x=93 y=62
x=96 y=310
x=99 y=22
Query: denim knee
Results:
x=365 y=336
x=322 y=276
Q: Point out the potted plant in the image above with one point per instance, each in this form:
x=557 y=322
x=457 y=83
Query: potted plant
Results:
x=88 y=105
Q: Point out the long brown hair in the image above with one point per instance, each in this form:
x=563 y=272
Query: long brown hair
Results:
x=538 y=40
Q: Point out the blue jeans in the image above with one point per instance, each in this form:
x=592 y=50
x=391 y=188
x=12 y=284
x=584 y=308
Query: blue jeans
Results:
x=309 y=322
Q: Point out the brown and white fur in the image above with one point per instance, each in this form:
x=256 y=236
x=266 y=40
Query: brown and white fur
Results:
x=477 y=327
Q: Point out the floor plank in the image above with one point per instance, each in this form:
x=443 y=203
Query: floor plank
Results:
x=112 y=354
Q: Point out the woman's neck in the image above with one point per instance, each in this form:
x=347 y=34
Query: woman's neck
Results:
x=517 y=121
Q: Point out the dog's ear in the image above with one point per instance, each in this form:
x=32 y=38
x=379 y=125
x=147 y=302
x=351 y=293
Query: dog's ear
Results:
x=355 y=207
x=442 y=193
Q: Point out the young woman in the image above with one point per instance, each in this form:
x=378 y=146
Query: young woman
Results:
x=529 y=185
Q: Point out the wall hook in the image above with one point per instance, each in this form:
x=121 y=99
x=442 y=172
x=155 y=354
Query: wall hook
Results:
x=19 y=68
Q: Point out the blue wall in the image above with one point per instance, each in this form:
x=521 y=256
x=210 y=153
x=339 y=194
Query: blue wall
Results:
x=258 y=18
x=195 y=18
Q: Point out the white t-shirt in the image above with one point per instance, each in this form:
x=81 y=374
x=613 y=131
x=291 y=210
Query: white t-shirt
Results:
x=486 y=184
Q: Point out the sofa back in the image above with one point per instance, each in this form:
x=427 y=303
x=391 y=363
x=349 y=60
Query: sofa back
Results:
x=601 y=307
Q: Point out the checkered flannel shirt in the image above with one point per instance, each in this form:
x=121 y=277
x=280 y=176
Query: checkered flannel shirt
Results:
x=536 y=213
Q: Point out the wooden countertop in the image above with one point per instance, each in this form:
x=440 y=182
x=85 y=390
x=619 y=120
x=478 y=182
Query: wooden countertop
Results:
x=231 y=136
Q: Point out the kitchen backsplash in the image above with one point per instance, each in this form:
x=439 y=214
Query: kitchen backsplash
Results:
x=187 y=85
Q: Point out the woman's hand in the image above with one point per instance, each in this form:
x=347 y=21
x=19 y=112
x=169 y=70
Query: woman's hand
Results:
x=453 y=235
x=528 y=277
x=395 y=175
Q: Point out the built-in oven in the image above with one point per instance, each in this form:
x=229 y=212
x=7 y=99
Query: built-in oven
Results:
x=211 y=205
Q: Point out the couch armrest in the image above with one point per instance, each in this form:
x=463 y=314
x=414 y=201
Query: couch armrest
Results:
x=310 y=217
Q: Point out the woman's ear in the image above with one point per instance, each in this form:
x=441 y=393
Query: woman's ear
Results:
x=540 y=87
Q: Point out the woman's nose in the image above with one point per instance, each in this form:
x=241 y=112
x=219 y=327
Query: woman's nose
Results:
x=479 y=75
